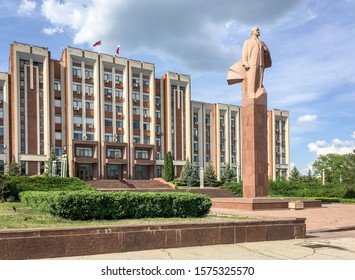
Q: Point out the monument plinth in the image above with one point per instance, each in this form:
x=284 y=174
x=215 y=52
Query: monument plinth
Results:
x=254 y=146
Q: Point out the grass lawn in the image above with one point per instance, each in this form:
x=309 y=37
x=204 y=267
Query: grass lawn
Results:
x=26 y=217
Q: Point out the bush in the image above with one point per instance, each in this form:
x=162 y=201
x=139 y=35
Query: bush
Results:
x=44 y=183
x=90 y=205
x=234 y=187
x=8 y=190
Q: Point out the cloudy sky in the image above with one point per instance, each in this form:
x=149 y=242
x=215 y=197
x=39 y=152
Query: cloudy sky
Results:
x=312 y=46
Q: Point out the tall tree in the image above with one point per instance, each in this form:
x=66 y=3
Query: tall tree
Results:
x=210 y=178
x=228 y=174
x=188 y=175
x=48 y=170
x=168 y=173
x=333 y=166
x=295 y=175
x=14 y=169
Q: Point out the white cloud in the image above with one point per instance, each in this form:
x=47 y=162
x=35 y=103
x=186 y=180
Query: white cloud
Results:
x=196 y=34
x=353 y=135
x=53 y=30
x=27 y=7
x=336 y=147
x=307 y=118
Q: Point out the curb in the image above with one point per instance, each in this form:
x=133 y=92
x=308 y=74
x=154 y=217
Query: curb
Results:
x=346 y=228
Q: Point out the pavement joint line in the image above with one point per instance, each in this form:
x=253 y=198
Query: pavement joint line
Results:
x=346 y=228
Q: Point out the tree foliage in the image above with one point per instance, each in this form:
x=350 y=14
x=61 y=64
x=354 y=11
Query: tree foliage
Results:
x=229 y=174
x=337 y=168
x=210 y=178
x=188 y=175
x=168 y=173
x=14 y=169
x=295 y=175
x=49 y=163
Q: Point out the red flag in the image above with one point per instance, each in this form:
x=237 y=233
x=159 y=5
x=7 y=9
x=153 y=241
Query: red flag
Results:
x=98 y=43
x=118 y=50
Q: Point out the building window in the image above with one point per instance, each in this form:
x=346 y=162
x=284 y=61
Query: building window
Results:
x=57 y=86
x=146 y=140
x=119 y=124
x=136 y=139
x=107 y=77
x=158 y=128
x=119 y=109
x=157 y=100
x=158 y=142
x=157 y=114
x=136 y=124
x=135 y=82
x=136 y=96
x=77 y=104
x=108 y=137
x=118 y=78
x=146 y=126
x=136 y=111
x=108 y=122
x=108 y=107
x=146 y=82
x=146 y=112
x=1 y=131
x=89 y=73
x=77 y=71
x=119 y=93
x=76 y=87
x=120 y=138
x=142 y=154
x=195 y=157
x=195 y=146
x=57 y=103
x=1 y=113
x=58 y=119
x=89 y=120
x=195 y=119
x=89 y=89
x=90 y=136
x=89 y=105
x=221 y=121
x=78 y=134
x=222 y=158
x=58 y=135
x=145 y=97
x=58 y=151
x=208 y=146
x=233 y=121
x=114 y=153
x=108 y=92
x=83 y=152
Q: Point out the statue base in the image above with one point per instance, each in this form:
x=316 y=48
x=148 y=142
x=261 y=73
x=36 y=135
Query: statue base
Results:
x=254 y=204
x=254 y=145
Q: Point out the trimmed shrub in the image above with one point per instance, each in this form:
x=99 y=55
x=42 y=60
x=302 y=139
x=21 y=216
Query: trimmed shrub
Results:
x=44 y=183
x=93 y=205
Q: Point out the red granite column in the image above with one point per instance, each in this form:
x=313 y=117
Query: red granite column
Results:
x=254 y=146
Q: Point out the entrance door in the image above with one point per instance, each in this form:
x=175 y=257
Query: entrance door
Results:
x=114 y=171
x=84 y=171
x=142 y=172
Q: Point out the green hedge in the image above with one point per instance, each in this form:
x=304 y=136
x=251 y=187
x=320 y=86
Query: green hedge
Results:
x=300 y=189
x=92 y=205
x=19 y=184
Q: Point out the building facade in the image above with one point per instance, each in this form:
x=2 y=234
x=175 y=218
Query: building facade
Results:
x=114 y=119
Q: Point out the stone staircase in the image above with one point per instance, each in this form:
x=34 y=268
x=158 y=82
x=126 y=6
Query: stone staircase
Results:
x=212 y=192
x=130 y=185
x=157 y=185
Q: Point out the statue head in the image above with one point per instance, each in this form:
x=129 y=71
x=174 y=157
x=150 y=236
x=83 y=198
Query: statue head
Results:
x=255 y=31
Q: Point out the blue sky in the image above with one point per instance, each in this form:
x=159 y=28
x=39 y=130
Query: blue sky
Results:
x=312 y=46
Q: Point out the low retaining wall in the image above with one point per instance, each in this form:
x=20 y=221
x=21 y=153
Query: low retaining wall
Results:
x=64 y=242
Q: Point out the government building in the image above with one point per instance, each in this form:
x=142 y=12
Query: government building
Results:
x=113 y=119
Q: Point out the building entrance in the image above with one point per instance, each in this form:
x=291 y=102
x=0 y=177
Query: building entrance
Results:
x=114 y=171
